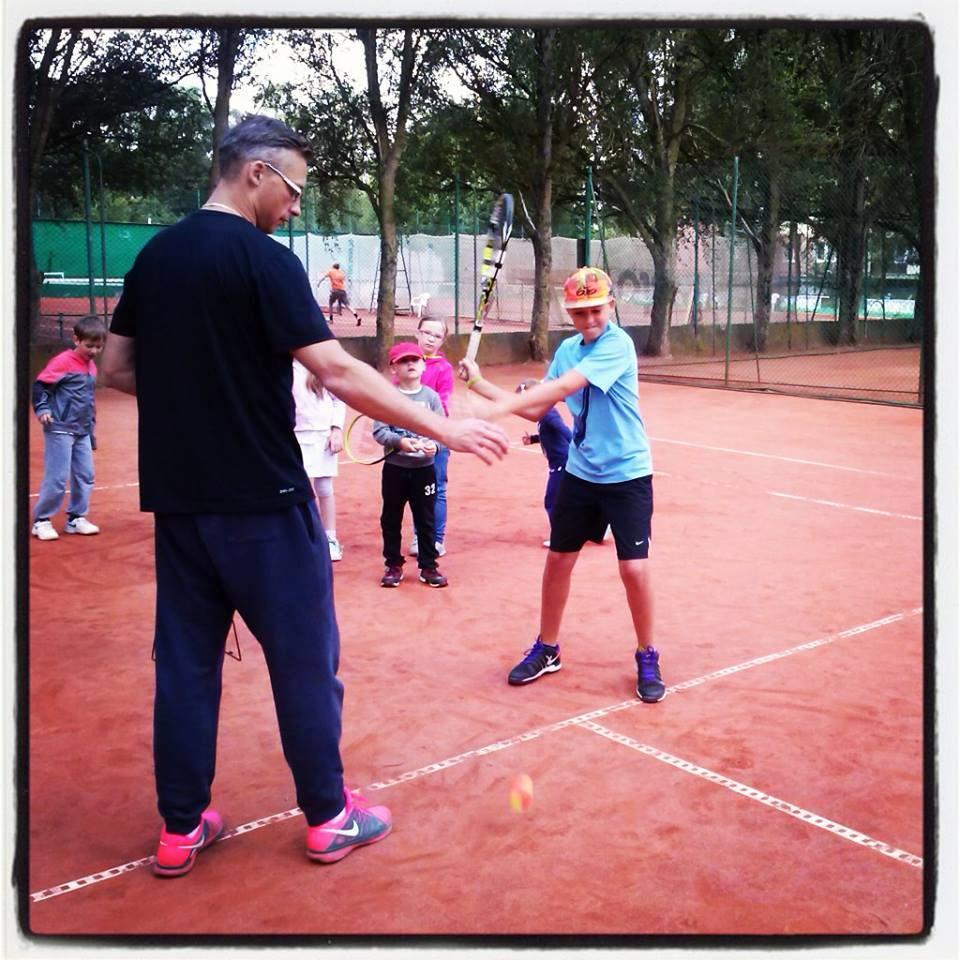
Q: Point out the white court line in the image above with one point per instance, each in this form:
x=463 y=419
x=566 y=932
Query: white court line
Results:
x=773 y=456
x=751 y=793
x=844 y=506
x=579 y=720
x=792 y=496
x=115 y=486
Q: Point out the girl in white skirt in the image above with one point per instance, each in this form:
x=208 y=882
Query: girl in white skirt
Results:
x=319 y=430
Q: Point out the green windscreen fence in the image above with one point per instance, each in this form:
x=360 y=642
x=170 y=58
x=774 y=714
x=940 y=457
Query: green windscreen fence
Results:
x=62 y=255
x=721 y=330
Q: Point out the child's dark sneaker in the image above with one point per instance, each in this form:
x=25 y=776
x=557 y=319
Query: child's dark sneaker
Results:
x=650 y=686
x=432 y=577
x=541 y=658
x=391 y=577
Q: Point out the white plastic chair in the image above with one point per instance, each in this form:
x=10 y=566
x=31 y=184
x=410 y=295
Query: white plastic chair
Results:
x=418 y=304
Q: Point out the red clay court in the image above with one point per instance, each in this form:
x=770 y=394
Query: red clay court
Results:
x=777 y=789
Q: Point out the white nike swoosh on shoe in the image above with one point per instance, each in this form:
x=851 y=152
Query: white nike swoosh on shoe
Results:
x=352 y=832
x=188 y=846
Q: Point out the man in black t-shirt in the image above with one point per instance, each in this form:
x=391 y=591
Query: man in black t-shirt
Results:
x=203 y=334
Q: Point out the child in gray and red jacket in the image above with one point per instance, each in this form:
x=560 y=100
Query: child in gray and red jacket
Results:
x=63 y=399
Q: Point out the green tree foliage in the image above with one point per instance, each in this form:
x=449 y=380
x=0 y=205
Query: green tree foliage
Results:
x=754 y=109
x=649 y=87
x=828 y=124
x=103 y=88
x=121 y=100
x=225 y=57
x=871 y=82
x=361 y=132
x=526 y=128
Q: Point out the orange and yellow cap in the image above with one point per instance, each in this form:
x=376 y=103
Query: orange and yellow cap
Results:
x=588 y=287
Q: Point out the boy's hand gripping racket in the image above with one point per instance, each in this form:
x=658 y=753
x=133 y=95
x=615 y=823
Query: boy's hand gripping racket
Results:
x=361 y=446
x=498 y=234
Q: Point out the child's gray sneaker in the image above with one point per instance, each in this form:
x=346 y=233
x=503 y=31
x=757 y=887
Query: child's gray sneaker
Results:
x=82 y=526
x=43 y=530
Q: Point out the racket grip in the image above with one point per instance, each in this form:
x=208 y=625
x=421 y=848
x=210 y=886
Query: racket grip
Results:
x=473 y=345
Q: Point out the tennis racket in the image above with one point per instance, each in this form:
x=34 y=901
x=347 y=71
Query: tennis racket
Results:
x=498 y=234
x=360 y=444
x=362 y=447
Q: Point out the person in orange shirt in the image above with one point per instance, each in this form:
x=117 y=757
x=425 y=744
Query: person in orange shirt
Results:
x=338 y=292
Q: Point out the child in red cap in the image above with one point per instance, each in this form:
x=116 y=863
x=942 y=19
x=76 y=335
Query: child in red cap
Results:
x=409 y=475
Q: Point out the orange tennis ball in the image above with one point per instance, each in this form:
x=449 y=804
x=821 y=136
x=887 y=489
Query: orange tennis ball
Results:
x=521 y=793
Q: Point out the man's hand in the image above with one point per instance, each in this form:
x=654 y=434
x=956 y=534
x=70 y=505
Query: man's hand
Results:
x=485 y=440
x=45 y=417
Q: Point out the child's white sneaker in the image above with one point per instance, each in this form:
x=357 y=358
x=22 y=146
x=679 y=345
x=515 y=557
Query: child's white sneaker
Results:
x=43 y=530
x=336 y=548
x=82 y=526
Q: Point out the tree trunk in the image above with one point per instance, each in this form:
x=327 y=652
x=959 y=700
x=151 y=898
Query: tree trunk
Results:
x=664 y=295
x=387 y=289
x=664 y=252
x=766 y=258
x=851 y=248
x=228 y=42
x=539 y=342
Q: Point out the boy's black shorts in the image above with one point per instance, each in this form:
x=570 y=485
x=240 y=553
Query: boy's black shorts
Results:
x=584 y=509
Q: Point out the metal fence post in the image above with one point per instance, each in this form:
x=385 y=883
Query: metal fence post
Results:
x=103 y=234
x=476 y=234
x=696 y=260
x=456 y=254
x=790 y=241
x=306 y=236
x=733 y=244
x=89 y=230
x=866 y=278
x=606 y=261
x=588 y=218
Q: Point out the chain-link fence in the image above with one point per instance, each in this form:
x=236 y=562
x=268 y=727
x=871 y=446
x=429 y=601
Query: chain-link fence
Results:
x=827 y=305
x=817 y=306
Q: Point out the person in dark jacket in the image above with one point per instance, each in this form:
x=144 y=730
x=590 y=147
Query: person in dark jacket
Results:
x=553 y=436
x=63 y=399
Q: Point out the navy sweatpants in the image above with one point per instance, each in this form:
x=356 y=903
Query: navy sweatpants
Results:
x=274 y=570
x=418 y=487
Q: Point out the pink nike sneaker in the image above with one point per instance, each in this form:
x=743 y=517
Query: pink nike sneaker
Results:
x=356 y=825
x=177 y=852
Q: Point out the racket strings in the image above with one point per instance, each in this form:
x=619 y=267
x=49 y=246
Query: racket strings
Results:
x=360 y=443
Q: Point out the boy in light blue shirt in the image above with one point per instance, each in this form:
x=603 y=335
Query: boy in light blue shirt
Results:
x=608 y=477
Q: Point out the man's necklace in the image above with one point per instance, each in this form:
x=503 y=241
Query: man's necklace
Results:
x=222 y=206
